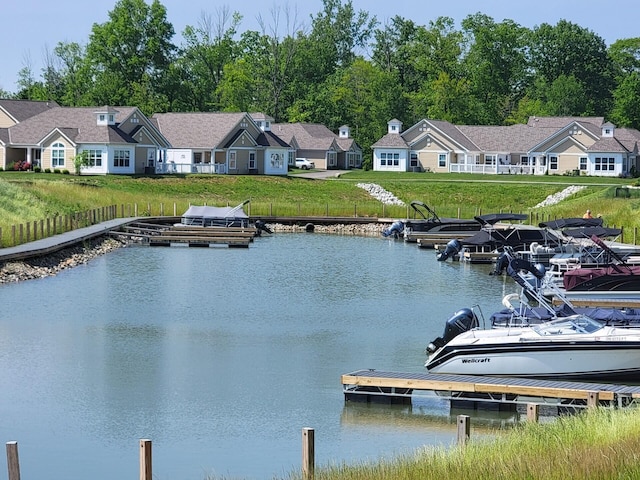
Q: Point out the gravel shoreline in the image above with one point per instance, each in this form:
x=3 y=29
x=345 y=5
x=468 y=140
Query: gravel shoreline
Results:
x=48 y=265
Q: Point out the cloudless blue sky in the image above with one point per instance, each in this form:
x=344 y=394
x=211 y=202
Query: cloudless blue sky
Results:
x=32 y=27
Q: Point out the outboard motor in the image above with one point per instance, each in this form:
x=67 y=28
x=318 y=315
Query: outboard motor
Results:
x=453 y=248
x=502 y=263
x=395 y=230
x=261 y=226
x=462 y=321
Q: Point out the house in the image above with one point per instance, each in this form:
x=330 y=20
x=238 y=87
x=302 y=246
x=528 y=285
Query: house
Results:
x=545 y=145
x=320 y=145
x=222 y=143
x=118 y=140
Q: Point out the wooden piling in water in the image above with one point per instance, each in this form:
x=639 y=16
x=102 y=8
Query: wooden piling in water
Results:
x=145 y=460
x=13 y=462
x=308 y=453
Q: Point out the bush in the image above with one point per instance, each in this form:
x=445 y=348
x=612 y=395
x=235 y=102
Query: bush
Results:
x=56 y=170
x=47 y=170
x=65 y=172
x=37 y=169
x=21 y=166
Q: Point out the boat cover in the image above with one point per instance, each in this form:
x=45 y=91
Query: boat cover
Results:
x=571 y=223
x=612 y=277
x=492 y=218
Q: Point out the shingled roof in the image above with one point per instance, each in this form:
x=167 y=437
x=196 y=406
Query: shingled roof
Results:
x=309 y=136
x=20 y=110
x=197 y=129
x=77 y=123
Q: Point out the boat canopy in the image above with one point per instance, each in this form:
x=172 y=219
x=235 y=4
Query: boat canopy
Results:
x=492 y=218
x=561 y=223
x=206 y=216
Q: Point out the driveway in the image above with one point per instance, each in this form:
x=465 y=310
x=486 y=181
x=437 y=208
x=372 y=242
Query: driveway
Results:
x=321 y=174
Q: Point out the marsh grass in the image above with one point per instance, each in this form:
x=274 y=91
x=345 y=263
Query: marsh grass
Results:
x=597 y=444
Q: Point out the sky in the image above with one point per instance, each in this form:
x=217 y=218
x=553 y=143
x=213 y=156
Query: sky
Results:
x=30 y=28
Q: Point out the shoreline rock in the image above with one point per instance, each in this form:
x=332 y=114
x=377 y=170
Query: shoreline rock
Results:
x=48 y=265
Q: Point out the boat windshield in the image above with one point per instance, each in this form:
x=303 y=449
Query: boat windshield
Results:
x=568 y=326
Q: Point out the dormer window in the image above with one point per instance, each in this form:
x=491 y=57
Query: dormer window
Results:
x=106 y=116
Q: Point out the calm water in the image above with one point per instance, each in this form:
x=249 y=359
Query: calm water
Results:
x=222 y=356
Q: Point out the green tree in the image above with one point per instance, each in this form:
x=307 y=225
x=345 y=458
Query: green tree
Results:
x=570 y=50
x=131 y=52
x=626 y=108
x=495 y=64
x=208 y=49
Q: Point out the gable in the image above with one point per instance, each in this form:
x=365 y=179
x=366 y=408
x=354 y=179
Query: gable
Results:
x=6 y=120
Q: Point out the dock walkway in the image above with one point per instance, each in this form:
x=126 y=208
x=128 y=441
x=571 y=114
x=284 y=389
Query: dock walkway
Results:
x=57 y=242
x=396 y=387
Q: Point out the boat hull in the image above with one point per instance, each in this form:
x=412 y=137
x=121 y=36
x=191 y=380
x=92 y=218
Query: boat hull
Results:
x=604 y=360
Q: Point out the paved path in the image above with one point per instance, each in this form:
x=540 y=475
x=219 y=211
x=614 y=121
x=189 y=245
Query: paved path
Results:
x=57 y=242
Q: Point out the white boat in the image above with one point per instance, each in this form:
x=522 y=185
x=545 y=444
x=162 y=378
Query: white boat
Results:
x=574 y=347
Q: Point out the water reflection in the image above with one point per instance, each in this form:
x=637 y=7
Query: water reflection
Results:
x=213 y=353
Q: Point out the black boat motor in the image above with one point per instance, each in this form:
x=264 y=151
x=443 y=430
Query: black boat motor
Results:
x=453 y=248
x=462 y=321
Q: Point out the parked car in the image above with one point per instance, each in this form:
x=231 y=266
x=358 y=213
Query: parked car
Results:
x=304 y=164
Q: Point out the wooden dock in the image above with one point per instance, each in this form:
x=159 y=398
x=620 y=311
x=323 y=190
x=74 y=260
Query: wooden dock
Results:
x=163 y=235
x=374 y=386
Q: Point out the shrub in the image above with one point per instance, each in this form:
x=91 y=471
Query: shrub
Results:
x=47 y=170
x=56 y=170
x=65 y=172
x=36 y=169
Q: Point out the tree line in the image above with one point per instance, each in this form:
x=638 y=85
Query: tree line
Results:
x=344 y=68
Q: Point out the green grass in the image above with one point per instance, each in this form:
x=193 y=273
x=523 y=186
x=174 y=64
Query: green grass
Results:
x=27 y=197
x=598 y=444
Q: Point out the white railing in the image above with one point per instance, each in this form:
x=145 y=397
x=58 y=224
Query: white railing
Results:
x=492 y=169
x=184 y=168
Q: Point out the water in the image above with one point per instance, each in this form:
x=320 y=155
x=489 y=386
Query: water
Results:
x=222 y=356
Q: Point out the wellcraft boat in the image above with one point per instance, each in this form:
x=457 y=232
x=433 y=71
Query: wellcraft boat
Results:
x=574 y=347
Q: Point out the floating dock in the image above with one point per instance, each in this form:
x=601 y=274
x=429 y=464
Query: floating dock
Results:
x=375 y=386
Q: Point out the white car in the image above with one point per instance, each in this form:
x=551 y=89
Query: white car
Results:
x=304 y=164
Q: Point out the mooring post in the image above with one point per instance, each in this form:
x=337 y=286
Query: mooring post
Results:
x=145 y=459
x=533 y=412
x=12 y=461
x=592 y=399
x=308 y=454
x=464 y=429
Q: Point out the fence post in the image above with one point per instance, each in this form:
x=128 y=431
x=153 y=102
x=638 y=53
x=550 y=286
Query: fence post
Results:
x=13 y=235
x=533 y=410
x=12 y=461
x=175 y=209
x=28 y=231
x=0 y=236
x=21 y=233
x=145 y=459
x=308 y=453
x=464 y=429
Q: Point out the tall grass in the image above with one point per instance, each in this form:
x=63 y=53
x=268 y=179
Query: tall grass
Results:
x=597 y=444
x=26 y=197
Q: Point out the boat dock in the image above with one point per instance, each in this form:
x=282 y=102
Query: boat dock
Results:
x=164 y=235
x=375 y=386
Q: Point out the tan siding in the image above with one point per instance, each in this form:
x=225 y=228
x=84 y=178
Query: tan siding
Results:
x=2 y=158
x=5 y=120
x=69 y=154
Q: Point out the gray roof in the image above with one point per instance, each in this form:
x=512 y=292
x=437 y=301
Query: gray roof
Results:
x=20 y=110
x=514 y=138
x=197 y=129
x=559 y=122
x=310 y=136
x=391 y=140
x=454 y=133
x=77 y=123
x=607 y=145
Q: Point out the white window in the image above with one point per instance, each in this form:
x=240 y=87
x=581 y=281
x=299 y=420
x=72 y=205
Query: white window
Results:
x=604 y=164
x=414 y=160
x=276 y=160
x=332 y=159
x=57 y=155
x=252 y=160
x=553 y=163
x=232 y=160
x=524 y=160
x=583 y=163
x=94 y=157
x=442 y=160
x=489 y=159
x=121 y=158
